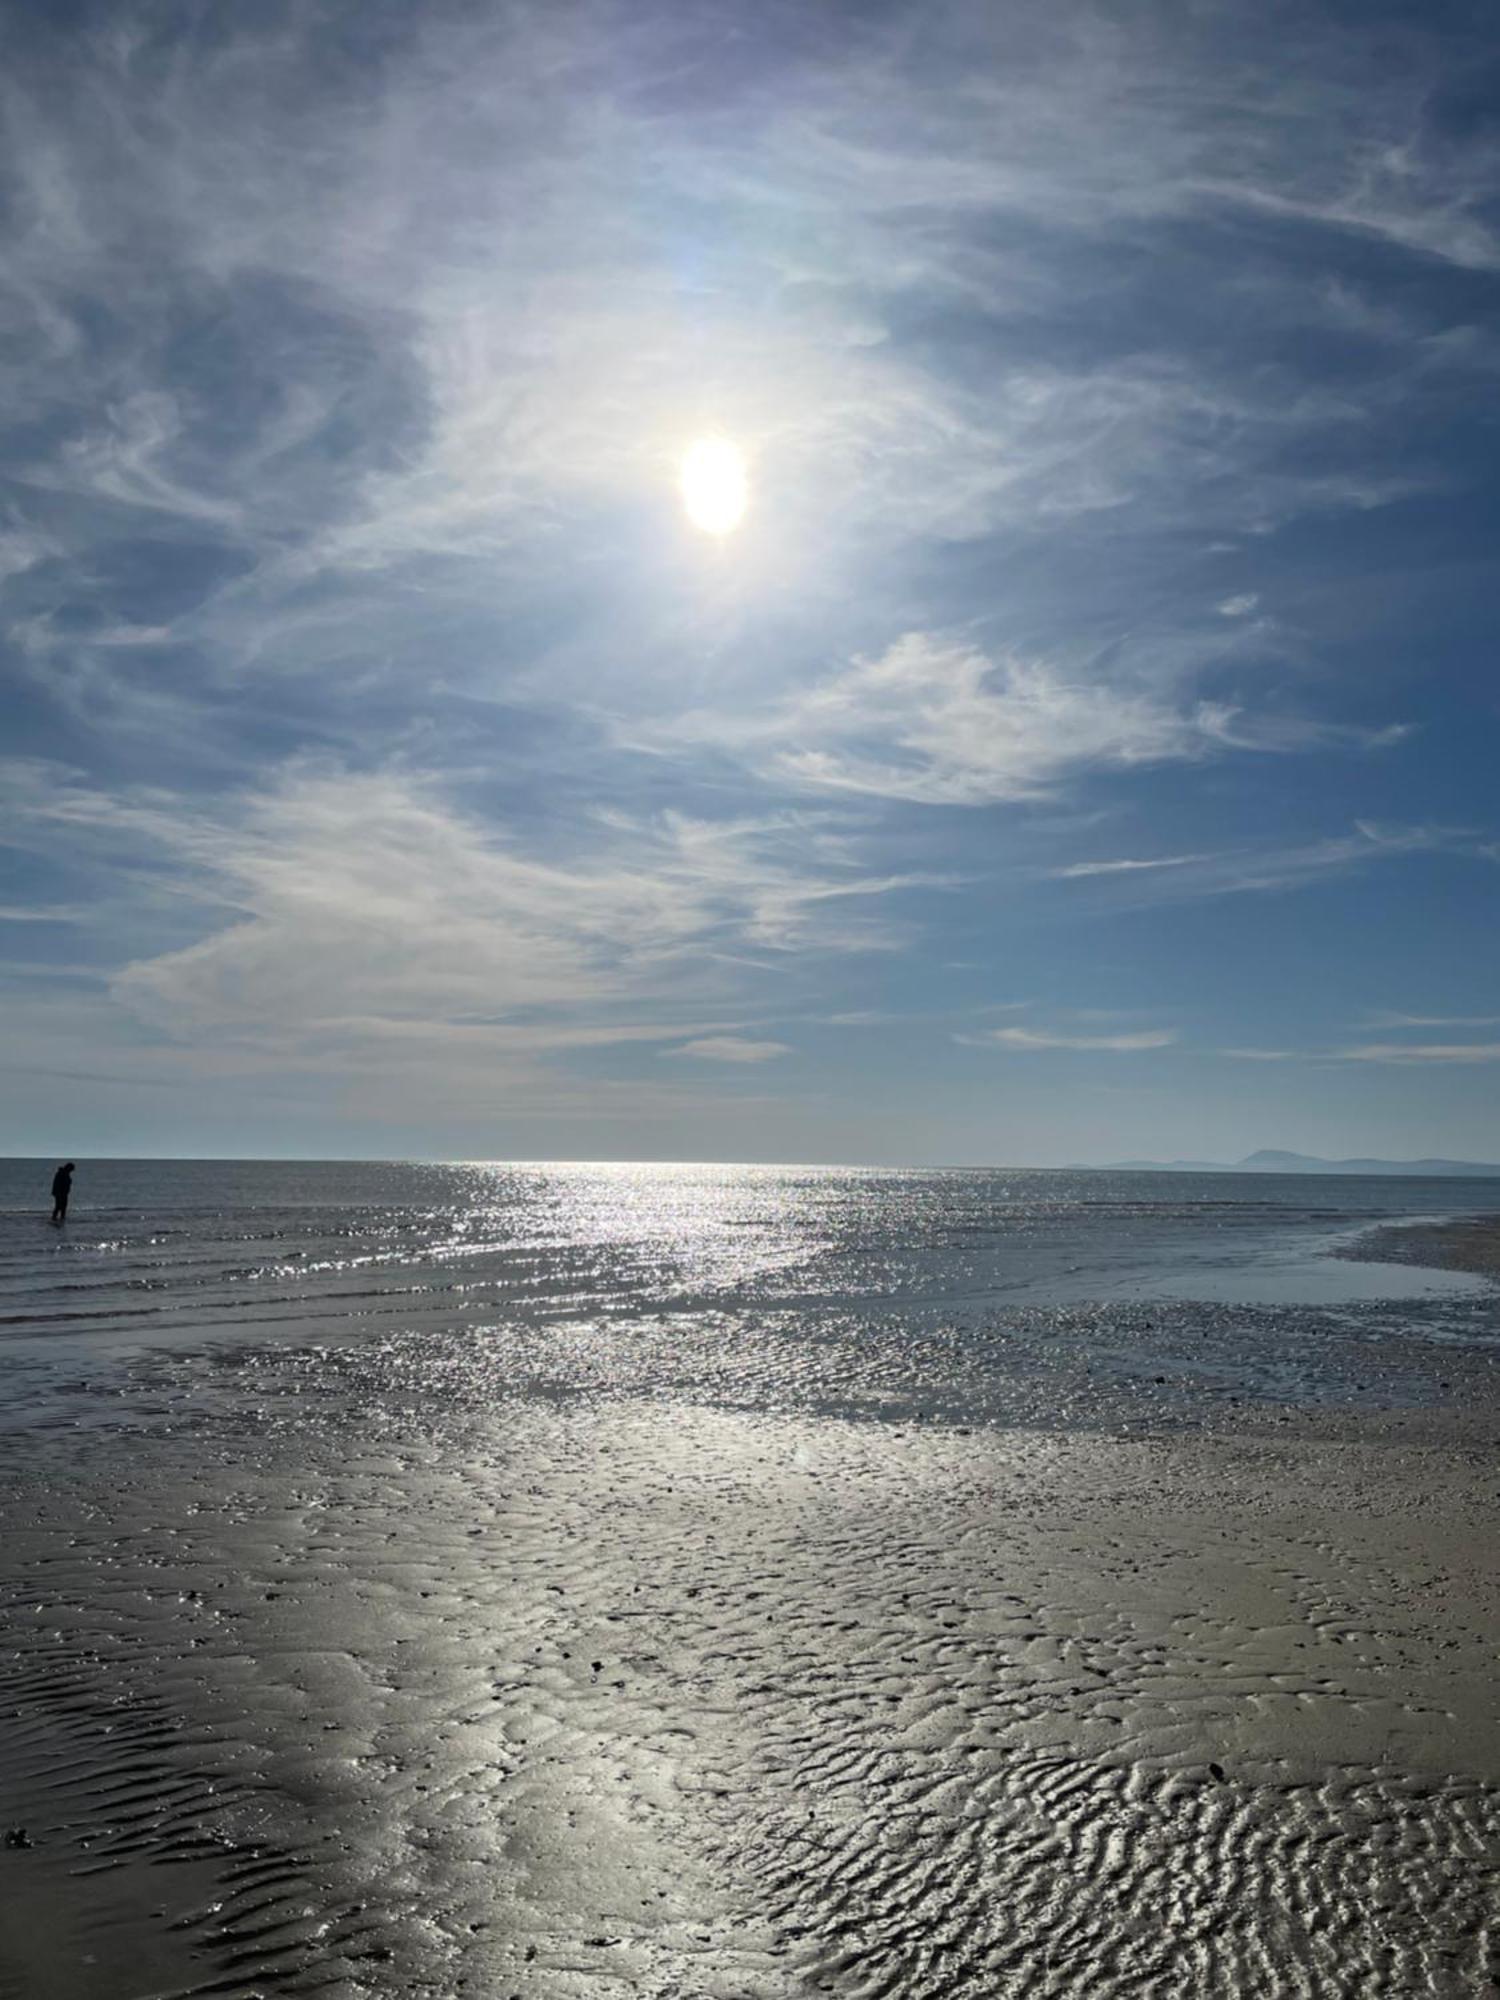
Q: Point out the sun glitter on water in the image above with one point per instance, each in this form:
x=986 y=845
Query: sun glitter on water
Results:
x=715 y=489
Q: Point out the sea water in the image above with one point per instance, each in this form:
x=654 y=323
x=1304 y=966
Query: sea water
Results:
x=882 y=1288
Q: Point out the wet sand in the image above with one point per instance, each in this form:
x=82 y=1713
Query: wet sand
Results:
x=669 y=1701
x=1467 y=1243
x=352 y=1692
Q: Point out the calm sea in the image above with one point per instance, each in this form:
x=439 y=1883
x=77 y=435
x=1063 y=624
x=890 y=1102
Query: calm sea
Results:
x=760 y=1284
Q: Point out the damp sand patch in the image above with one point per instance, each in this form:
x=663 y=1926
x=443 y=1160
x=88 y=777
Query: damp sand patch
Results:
x=645 y=1697
x=1467 y=1243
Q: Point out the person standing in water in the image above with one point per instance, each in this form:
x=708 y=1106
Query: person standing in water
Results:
x=62 y=1187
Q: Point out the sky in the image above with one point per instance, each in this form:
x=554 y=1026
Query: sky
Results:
x=1084 y=746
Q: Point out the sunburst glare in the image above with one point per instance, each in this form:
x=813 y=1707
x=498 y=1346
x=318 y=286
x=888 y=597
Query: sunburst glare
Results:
x=715 y=489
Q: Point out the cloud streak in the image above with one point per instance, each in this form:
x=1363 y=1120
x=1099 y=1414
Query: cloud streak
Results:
x=1422 y=1052
x=936 y=721
x=1394 y=1020
x=1025 y=1040
x=1080 y=870
x=1270 y=870
x=1397 y=1054
x=731 y=1049
x=365 y=909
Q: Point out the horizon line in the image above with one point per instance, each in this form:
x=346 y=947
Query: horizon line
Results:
x=1325 y=1164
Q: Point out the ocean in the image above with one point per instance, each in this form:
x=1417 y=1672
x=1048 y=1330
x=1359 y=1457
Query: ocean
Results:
x=858 y=1289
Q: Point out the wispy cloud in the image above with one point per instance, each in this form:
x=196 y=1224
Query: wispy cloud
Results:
x=941 y=722
x=1264 y=870
x=1395 y=1020
x=1127 y=866
x=937 y=721
x=1020 y=1039
x=365 y=907
x=731 y=1049
x=42 y=913
x=22 y=549
x=1397 y=1053
x=1422 y=1052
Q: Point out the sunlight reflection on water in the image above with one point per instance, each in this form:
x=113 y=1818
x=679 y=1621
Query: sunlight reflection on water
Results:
x=747 y=1284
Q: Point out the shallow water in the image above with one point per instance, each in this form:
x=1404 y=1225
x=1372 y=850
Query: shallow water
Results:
x=150 y=1245
x=1012 y=1297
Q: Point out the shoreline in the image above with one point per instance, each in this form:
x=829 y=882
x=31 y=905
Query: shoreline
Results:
x=1469 y=1243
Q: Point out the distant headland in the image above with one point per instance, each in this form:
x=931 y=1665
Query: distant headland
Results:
x=1303 y=1163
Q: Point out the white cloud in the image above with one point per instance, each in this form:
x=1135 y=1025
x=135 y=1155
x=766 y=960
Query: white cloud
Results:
x=43 y=913
x=1266 y=870
x=1391 y=197
x=1078 y=869
x=1394 y=1020
x=362 y=908
x=731 y=1049
x=22 y=549
x=1396 y=1053
x=1239 y=607
x=1048 y=1038
x=937 y=721
x=1422 y=1052
x=127 y=457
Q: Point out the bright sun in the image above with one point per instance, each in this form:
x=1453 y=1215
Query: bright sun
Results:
x=714 y=488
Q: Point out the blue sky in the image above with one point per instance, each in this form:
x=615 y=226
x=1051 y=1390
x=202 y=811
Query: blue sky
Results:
x=1084 y=747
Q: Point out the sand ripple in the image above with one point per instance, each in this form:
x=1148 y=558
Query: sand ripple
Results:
x=651 y=1699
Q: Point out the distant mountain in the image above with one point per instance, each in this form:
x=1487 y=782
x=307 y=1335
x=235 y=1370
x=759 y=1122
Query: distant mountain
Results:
x=1305 y=1163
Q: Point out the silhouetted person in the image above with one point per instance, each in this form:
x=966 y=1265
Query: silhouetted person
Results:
x=62 y=1187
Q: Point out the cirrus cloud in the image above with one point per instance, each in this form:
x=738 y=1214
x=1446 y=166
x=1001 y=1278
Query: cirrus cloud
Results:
x=936 y=720
x=1024 y=1040
x=360 y=910
x=731 y=1049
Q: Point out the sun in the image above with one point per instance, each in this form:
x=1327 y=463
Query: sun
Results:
x=715 y=490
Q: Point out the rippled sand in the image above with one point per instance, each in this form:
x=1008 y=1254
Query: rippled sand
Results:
x=582 y=1697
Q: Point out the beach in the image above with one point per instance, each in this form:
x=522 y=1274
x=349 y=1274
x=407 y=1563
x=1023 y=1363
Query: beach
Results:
x=417 y=1667
x=750 y=1163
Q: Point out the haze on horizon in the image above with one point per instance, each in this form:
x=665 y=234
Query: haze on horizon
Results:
x=907 y=584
